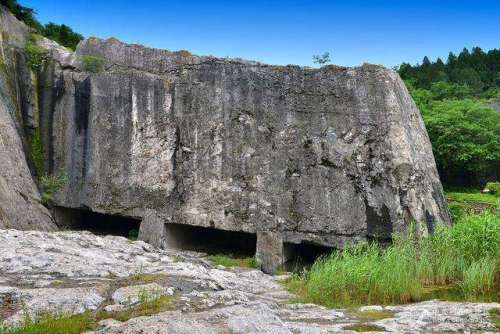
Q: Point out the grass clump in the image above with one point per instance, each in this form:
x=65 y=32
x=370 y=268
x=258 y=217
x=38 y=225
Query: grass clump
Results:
x=495 y=317
x=147 y=278
x=149 y=303
x=92 y=64
x=48 y=323
x=464 y=256
x=227 y=261
x=362 y=327
x=61 y=323
x=373 y=315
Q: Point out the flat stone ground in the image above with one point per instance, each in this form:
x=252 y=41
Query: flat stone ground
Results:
x=78 y=271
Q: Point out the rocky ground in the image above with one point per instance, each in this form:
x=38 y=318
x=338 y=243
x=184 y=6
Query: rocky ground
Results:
x=78 y=271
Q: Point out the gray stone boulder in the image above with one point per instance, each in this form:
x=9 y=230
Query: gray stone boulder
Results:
x=324 y=156
x=20 y=205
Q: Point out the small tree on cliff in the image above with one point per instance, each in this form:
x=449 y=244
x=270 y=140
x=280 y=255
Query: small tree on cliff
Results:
x=322 y=59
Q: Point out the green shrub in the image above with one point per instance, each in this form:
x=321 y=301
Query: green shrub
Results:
x=51 y=185
x=92 y=64
x=464 y=255
x=62 y=34
x=34 y=54
x=494 y=188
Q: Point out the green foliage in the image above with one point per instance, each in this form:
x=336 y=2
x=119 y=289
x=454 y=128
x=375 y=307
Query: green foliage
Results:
x=465 y=256
x=92 y=64
x=478 y=70
x=48 y=323
x=464 y=132
x=51 y=185
x=322 y=59
x=495 y=317
x=146 y=278
x=62 y=34
x=466 y=201
x=37 y=152
x=494 y=188
x=59 y=323
x=35 y=54
x=226 y=261
x=479 y=278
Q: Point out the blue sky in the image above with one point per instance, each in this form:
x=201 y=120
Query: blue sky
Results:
x=289 y=32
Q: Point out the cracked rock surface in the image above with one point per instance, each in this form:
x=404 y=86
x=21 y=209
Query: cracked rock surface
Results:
x=77 y=271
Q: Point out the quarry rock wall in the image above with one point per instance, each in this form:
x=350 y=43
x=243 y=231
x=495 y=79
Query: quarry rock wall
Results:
x=294 y=155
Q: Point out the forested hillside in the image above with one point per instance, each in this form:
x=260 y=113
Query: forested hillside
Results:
x=460 y=102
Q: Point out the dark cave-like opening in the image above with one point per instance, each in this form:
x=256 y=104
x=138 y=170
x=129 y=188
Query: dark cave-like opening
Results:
x=210 y=240
x=97 y=223
x=302 y=255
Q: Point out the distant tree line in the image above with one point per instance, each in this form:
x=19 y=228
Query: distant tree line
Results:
x=460 y=103
x=476 y=69
x=60 y=33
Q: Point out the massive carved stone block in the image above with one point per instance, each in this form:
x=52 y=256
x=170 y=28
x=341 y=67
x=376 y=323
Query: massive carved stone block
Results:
x=323 y=156
x=282 y=156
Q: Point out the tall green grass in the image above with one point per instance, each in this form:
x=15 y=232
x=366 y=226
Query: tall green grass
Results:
x=466 y=255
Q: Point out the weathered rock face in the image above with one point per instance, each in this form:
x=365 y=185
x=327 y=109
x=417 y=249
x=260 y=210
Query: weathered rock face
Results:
x=293 y=155
x=20 y=205
x=320 y=155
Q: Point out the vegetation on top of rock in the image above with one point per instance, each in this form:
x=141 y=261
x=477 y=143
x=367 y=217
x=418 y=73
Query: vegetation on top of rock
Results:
x=49 y=323
x=464 y=256
x=322 y=59
x=58 y=323
x=34 y=54
x=60 y=33
x=92 y=64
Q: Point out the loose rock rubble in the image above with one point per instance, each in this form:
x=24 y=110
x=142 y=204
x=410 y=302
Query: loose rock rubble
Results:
x=78 y=271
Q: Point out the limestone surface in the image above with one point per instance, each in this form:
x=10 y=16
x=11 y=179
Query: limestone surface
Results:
x=75 y=271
